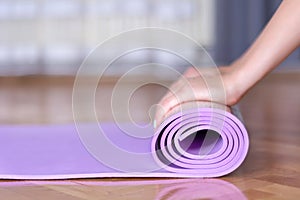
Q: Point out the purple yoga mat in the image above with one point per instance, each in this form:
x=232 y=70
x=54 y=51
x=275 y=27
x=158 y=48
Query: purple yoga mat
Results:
x=202 y=142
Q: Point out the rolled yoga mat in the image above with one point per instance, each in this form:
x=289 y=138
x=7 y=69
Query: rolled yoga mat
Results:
x=202 y=142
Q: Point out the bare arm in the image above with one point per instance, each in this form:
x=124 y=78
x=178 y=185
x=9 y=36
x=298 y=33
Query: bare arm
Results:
x=279 y=38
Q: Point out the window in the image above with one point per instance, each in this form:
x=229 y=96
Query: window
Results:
x=54 y=36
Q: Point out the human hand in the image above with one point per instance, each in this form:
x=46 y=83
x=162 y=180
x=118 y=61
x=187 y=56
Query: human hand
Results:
x=204 y=85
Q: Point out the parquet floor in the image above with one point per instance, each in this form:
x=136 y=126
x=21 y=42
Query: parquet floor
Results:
x=271 y=171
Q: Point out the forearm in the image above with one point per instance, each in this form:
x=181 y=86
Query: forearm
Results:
x=280 y=37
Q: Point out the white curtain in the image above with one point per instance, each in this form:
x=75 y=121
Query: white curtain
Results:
x=54 y=36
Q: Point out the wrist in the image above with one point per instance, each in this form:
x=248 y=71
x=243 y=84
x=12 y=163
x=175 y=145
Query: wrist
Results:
x=235 y=86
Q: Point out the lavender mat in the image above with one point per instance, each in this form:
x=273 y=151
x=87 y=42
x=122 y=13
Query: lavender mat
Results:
x=200 y=143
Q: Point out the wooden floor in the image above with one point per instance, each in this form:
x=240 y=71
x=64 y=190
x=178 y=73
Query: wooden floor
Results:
x=271 y=171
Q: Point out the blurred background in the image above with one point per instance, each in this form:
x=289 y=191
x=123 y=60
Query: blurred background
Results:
x=44 y=42
x=52 y=37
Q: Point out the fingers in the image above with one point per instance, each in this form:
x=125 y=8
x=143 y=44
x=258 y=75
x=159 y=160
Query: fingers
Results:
x=192 y=86
x=167 y=102
x=180 y=92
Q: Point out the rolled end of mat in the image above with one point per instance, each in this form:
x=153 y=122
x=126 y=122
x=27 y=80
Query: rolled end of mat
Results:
x=202 y=142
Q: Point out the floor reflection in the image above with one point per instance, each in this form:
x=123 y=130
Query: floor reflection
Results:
x=200 y=189
x=163 y=189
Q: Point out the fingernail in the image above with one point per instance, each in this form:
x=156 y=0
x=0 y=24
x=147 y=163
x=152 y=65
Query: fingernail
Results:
x=154 y=123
